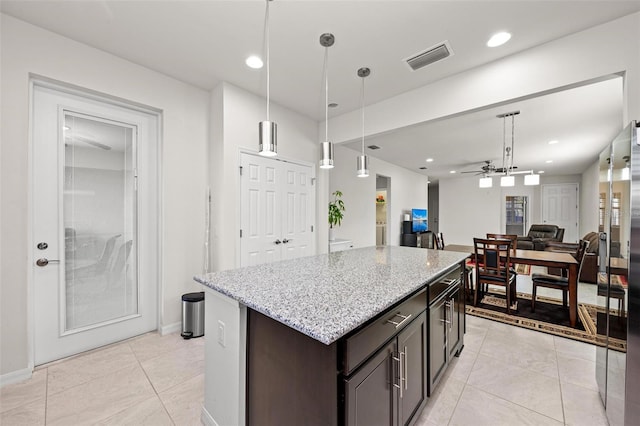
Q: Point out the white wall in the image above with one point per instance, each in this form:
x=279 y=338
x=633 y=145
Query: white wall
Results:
x=407 y=190
x=237 y=114
x=589 y=216
x=28 y=49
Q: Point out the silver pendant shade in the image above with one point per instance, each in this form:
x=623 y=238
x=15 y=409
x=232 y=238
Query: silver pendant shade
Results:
x=326 y=147
x=363 y=160
x=267 y=130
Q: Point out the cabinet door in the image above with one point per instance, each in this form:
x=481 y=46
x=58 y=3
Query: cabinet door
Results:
x=412 y=348
x=370 y=394
x=438 y=319
x=455 y=306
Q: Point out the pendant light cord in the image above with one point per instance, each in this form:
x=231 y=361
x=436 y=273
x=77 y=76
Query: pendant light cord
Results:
x=266 y=39
x=513 y=121
x=504 y=143
x=326 y=94
x=362 y=104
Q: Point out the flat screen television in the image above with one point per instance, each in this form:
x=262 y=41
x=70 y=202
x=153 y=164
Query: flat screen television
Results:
x=419 y=220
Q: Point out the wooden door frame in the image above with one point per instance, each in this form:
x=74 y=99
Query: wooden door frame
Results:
x=90 y=95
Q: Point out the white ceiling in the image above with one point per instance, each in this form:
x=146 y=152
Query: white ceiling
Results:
x=206 y=42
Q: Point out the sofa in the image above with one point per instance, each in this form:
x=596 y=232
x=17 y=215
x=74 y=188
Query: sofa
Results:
x=539 y=235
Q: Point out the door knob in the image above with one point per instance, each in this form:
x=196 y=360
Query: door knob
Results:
x=277 y=241
x=44 y=261
x=285 y=241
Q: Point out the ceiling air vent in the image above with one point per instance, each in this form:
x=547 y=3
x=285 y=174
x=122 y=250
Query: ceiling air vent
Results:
x=373 y=147
x=429 y=56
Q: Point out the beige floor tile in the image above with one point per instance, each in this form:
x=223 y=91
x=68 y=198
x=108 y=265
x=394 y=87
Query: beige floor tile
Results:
x=582 y=406
x=574 y=348
x=172 y=368
x=577 y=371
x=523 y=352
x=152 y=345
x=460 y=366
x=100 y=398
x=184 y=401
x=441 y=404
x=478 y=408
x=84 y=368
x=150 y=412
x=528 y=389
x=26 y=392
x=30 y=414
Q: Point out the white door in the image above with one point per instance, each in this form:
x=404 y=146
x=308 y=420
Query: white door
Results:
x=95 y=221
x=560 y=207
x=277 y=210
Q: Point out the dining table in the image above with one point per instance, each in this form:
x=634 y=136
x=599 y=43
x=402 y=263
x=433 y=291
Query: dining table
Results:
x=549 y=259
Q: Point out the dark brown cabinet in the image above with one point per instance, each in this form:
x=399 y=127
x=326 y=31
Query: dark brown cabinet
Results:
x=391 y=387
x=446 y=322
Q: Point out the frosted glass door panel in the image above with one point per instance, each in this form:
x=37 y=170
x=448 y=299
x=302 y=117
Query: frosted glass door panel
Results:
x=99 y=215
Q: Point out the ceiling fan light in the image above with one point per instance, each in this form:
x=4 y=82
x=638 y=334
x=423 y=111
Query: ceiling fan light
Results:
x=531 y=179
x=485 y=182
x=507 y=181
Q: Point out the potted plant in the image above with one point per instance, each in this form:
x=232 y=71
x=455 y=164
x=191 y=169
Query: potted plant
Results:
x=336 y=209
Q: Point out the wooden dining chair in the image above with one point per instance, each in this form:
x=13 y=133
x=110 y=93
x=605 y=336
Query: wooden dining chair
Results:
x=492 y=268
x=555 y=281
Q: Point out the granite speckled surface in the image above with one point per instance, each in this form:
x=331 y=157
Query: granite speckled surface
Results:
x=326 y=296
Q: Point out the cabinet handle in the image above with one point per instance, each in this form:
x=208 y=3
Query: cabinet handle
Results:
x=401 y=369
x=398 y=386
x=452 y=307
x=406 y=376
x=398 y=324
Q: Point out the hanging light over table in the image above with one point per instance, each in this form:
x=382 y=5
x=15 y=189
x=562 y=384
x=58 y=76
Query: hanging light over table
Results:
x=363 y=160
x=268 y=130
x=326 y=147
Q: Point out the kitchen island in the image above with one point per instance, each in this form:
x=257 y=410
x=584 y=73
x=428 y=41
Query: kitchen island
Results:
x=340 y=338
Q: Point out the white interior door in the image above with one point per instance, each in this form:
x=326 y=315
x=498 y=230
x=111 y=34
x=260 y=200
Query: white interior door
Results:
x=277 y=210
x=560 y=207
x=95 y=173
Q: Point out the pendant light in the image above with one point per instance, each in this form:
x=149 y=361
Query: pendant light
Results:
x=485 y=182
x=363 y=160
x=268 y=130
x=326 y=147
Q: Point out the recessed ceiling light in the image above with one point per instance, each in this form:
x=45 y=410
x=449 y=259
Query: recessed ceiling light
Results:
x=254 y=62
x=540 y=172
x=553 y=142
x=498 y=39
x=452 y=171
x=333 y=105
x=428 y=160
x=549 y=161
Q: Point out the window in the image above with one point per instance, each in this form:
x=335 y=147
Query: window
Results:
x=516 y=214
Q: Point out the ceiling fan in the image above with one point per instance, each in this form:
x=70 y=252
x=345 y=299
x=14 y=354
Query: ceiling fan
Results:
x=489 y=168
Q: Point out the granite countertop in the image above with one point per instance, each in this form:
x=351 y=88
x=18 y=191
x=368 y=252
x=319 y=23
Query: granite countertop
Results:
x=326 y=296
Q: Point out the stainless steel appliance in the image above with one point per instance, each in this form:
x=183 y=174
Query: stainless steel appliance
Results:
x=618 y=322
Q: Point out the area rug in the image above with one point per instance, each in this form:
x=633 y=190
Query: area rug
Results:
x=552 y=318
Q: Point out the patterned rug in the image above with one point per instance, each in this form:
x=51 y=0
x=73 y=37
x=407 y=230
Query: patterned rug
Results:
x=552 y=318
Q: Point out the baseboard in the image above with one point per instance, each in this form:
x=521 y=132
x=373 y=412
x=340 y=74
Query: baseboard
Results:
x=15 y=376
x=206 y=418
x=170 y=328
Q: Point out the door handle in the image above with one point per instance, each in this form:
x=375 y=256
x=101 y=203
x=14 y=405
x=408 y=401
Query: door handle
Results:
x=285 y=241
x=44 y=261
x=278 y=242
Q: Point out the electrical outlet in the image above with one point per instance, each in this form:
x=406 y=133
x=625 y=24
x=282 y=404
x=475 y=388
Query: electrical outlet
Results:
x=221 y=340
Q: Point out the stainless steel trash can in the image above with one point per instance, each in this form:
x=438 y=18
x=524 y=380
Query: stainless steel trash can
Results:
x=192 y=315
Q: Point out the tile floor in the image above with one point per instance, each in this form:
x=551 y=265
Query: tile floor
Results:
x=504 y=376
